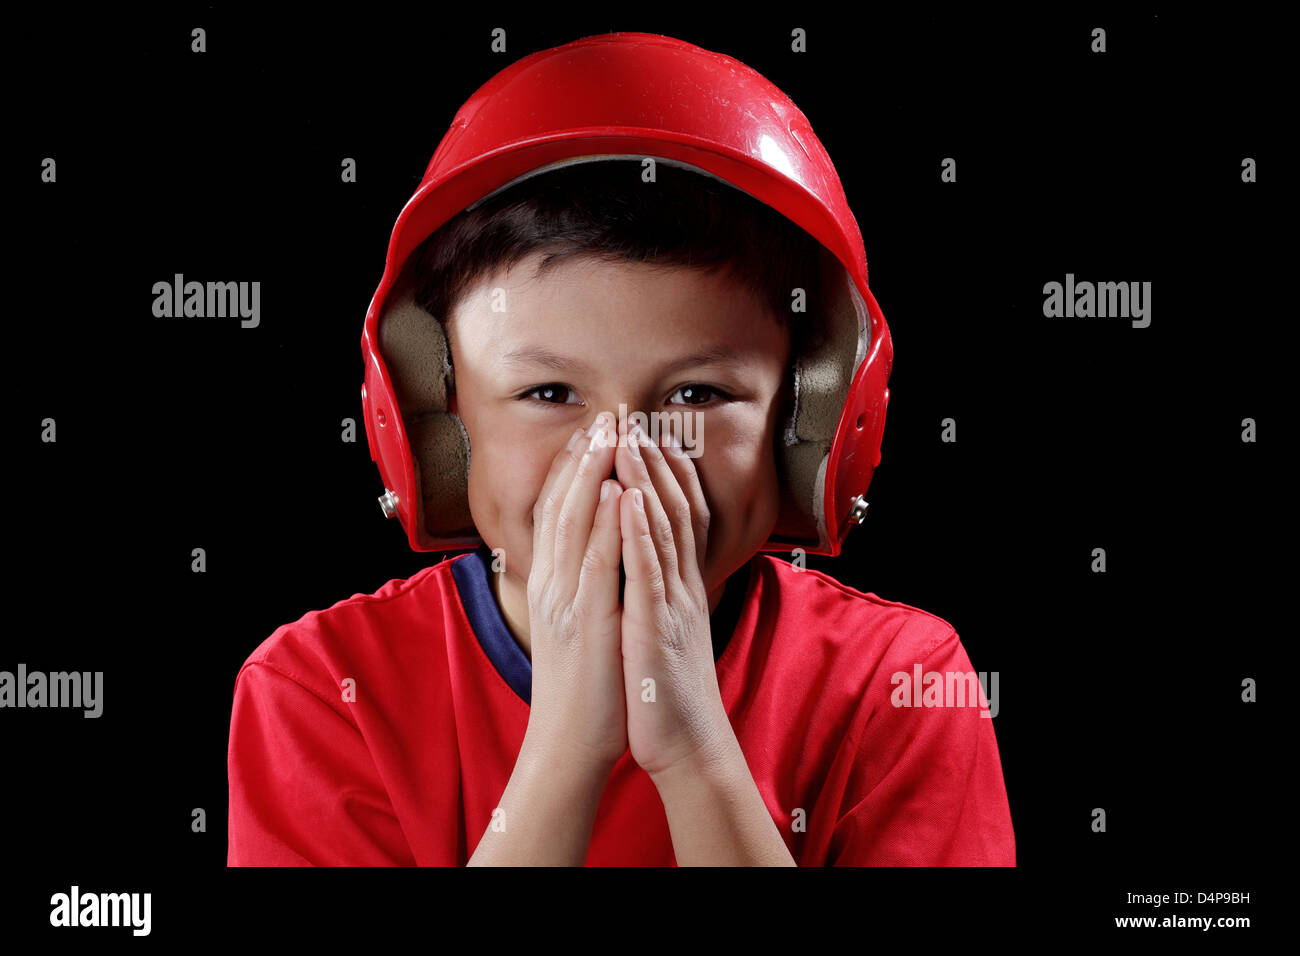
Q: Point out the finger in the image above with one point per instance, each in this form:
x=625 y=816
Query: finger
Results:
x=673 y=501
x=688 y=481
x=643 y=592
x=573 y=525
x=633 y=473
x=547 y=507
x=598 y=578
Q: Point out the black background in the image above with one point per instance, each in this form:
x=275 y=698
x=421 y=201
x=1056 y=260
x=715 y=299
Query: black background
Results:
x=1119 y=690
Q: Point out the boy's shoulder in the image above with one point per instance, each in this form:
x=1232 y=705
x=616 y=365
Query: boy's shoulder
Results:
x=861 y=622
x=360 y=633
x=849 y=651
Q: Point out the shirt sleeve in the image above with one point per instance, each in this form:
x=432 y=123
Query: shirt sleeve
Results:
x=927 y=788
x=304 y=790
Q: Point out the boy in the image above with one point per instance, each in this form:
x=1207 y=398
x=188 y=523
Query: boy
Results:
x=616 y=675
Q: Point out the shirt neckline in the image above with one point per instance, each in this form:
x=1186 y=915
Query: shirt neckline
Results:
x=470 y=572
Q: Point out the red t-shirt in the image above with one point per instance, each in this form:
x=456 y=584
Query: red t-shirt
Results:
x=383 y=731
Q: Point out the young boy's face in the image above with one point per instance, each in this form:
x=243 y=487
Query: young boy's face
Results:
x=617 y=333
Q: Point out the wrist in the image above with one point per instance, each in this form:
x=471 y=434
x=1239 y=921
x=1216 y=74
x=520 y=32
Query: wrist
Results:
x=714 y=764
x=551 y=754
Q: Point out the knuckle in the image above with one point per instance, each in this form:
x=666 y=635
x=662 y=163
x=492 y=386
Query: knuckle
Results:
x=567 y=625
x=682 y=513
x=584 y=462
x=656 y=584
x=594 y=561
x=564 y=526
x=538 y=591
x=672 y=628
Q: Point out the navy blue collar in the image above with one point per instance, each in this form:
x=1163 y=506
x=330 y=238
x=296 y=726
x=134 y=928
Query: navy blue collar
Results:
x=471 y=573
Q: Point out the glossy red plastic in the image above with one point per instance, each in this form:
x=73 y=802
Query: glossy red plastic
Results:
x=637 y=94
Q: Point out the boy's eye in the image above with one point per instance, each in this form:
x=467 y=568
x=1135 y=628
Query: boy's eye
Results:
x=554 y=393
x=551 y=394
x=697 y=394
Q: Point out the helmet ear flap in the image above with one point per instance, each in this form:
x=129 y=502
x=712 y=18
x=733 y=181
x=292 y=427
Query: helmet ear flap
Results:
x=822 y=369
x=417 y=352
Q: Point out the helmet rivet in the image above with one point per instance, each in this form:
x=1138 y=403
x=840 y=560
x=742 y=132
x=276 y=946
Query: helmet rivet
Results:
x=859 y=509
x=388 y=503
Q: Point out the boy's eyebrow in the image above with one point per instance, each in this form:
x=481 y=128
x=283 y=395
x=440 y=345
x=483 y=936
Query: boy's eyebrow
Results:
x=720 y=354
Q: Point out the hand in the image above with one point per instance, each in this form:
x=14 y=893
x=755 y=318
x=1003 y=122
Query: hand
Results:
x=665 y=627
x=578 y=709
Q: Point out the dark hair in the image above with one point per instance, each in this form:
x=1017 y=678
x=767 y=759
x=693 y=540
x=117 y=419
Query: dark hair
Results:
x=603 y=210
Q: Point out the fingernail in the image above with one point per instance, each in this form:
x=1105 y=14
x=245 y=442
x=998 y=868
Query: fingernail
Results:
x=634 y=440
x=604 y=490
x=575 y=439
x=637 y=500
x=596 y=425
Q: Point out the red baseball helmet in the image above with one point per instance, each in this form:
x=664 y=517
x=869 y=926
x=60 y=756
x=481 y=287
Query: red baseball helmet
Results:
x=631 y=96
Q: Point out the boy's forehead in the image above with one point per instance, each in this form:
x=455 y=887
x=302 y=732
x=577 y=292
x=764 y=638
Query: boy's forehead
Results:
x=675 y=313
x=720 y=354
